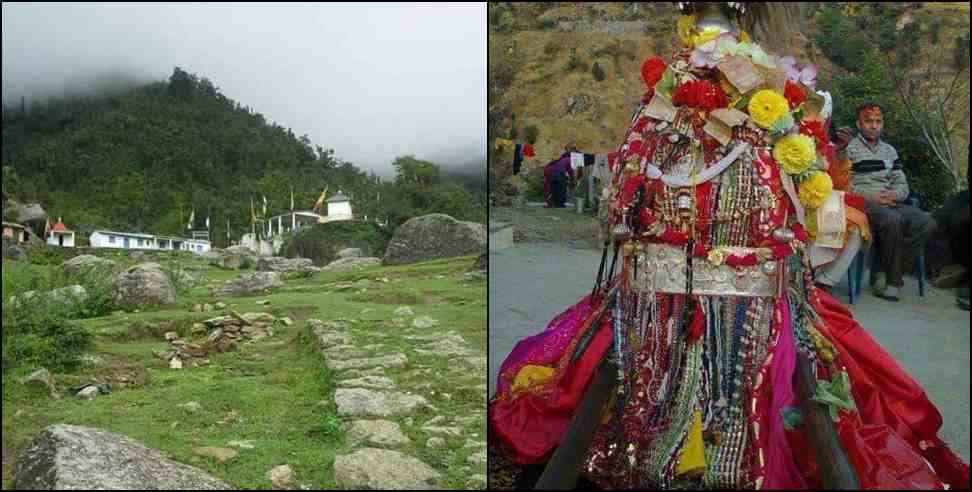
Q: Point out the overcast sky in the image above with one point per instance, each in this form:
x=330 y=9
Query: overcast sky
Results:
x=371 y=81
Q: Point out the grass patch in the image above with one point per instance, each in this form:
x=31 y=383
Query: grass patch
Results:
x=269 y=392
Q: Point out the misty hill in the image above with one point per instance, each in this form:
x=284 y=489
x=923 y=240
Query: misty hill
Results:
x=142 y=158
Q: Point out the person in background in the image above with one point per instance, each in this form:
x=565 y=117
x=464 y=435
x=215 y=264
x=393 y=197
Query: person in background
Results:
x=953 y=218
x=560 y=173
x=900 y=230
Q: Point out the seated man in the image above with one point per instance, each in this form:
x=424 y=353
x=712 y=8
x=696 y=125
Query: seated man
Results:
x=899 y=229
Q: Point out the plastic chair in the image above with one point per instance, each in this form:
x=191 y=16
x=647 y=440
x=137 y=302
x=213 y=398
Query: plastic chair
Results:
x=855 y=273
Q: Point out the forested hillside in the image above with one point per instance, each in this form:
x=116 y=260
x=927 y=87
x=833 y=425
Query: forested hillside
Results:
x=142 y=159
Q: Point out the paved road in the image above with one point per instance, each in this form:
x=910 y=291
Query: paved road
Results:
x=531 y=283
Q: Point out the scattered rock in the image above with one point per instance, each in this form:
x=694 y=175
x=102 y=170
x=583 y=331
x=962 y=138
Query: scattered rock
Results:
x=92 y=391
x=222 y=455
x=191 y=407
x=478 y=459
x=171 y=336
x=41 y=378
x=175 y=363
x=432 y=237
x=68 y=457
x=283 y=478
x=473 y=444
x=436 y=421
x=425 y=322
x=220 y=305
x=363 y=402
x=263 y=303
x=256 y=283
x=435 y=443
x=144 y=285
x=378 y=469
x=287 y=321
x=387 y=361
x=360 y=373
x=380 y=433
x=404 y=311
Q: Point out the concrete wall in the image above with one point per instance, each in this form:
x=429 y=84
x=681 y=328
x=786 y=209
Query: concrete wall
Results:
x=52 y=239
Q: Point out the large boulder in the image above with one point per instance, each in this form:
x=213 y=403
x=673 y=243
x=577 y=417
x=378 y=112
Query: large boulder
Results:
x=82 y=264
x=67 y=457
x=232 y=258
x=253 y=284
x=31 y=213
x=144 y=285
x=434 y=236
x=283 y=265
x=13 y=252
x=349 y=253
x=352 y=263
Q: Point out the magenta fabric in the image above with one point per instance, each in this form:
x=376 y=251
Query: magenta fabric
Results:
x=546 y=348
x=781 y=471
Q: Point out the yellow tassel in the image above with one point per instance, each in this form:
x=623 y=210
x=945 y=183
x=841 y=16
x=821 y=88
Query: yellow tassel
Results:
x=531 y=376
x=691 y=460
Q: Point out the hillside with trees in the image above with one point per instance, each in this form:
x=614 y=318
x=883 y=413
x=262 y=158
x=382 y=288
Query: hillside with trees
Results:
x=570 y=71
x=142 y=158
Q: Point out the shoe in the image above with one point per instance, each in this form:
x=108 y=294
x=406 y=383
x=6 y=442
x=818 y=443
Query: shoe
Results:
x=880 y=283
x=890 y=293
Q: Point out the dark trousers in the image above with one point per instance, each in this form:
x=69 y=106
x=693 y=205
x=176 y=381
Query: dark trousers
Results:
x=559 y=185
x=953 y=223
x=901 y=234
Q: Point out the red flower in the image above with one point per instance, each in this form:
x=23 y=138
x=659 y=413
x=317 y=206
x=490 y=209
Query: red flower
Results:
x=677 y=238
x=701 y=94
x=800 y=233
x=701 y=250
x=652 y=71
x=631 y=186
x=815 y=129
x=737 y=261
x=640 y=125
x=794 y=94
x=528 y=151
x=648 y=219
x=781 y=251
x=635 y=148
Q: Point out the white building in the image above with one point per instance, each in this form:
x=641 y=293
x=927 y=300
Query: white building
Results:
x=338 y=208
x=129 y=240
x=61 y=236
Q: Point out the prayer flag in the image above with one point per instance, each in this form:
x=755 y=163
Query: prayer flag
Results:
x=320 y=201
x=291 y=199
x=264 y=205
x=192 y=218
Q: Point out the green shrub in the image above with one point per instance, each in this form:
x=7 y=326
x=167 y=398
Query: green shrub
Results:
x=322 y=242
x=39 y=333
x=547 y=23
x=534 y=182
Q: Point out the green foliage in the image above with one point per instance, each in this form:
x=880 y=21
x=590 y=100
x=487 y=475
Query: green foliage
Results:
x=322 y=242
x=531 y=133
x=415 y=171
x=840 y=38
x=548 y=23
x=597 y=72
x=534 y=185
x=935 y=30
x=39 y=332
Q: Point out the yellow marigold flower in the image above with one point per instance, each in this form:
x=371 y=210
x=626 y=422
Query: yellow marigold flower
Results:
x=686 y=28
x=795 y=153
x=767 y=106
x=815 y=191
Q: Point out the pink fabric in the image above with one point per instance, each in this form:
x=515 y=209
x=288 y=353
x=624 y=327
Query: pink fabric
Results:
x=546 y=348
x=781 y=470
